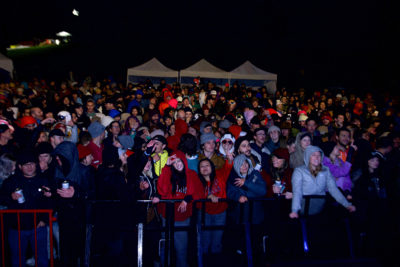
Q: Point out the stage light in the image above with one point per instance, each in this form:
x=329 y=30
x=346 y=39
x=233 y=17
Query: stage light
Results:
x=75 y=12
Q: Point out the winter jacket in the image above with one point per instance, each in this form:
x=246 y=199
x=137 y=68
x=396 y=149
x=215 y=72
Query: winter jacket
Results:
x=341 y=172
x=34 y=199
x=304 y=183
x=192 y=191
x=253 y=187
x=218 y=189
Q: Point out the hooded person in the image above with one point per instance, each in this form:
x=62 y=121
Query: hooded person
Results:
x=245 y=182
x=227 y=144
x=177 y=181
x=71 y=209
x=313 y=178
x=181 y=128
x=303 y=140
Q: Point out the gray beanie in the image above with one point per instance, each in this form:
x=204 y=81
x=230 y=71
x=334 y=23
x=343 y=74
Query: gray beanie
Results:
x=203 y=125
x=238 y=162
x=96 y=129
x=225 y=124
x=207 y=137
x=126 y=141
x=274 y=128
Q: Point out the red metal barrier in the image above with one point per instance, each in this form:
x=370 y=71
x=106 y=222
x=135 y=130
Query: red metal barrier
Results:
x=34 y=212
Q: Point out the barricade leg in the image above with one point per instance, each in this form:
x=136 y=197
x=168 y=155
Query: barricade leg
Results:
x=199 y=244
x=305 y=236
x=249 y=251
x=140 y=245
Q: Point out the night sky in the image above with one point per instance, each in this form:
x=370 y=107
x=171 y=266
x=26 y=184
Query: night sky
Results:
x=307 y=43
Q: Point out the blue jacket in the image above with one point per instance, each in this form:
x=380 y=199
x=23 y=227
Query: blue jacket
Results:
x=253 y=187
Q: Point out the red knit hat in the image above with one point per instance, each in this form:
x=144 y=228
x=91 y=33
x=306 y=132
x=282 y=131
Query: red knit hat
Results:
x=281 y=153
x=26 y=120
x=83 y=151
x=235 y=130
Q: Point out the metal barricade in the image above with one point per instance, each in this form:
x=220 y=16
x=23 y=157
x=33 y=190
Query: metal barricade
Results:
x=18 y=213
x=246 y=225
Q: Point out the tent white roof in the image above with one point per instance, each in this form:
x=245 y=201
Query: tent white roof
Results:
x=247 y=71
x=152 y=68
x=6 y=63
x=204 y=69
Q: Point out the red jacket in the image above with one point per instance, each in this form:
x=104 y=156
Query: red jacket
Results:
x=193 y=189
x=218 y=189
x=180 y=129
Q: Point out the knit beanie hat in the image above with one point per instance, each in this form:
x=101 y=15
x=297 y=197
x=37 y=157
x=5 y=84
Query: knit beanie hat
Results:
x=126 y=141
x=96 y=129
x=274 y=128
x=281 y=153
x=44 y=148
x=204 y=138
x=238 y=142
x=225 y=124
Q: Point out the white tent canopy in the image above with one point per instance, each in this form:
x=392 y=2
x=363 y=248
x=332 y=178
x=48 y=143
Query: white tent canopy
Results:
x=254 y=76
x=204 y=69
x=152 y=68
x=247 y=71
x=6 y=64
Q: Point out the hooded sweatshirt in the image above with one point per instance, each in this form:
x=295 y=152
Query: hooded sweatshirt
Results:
x=73 y=175
x=253 y=187
x=192 y=191
x=304 y=183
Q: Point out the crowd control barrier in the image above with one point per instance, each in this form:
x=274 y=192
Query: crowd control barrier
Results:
x=3 y=222
x=244 y=225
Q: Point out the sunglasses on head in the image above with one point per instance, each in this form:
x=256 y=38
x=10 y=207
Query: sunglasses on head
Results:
x=227 y=141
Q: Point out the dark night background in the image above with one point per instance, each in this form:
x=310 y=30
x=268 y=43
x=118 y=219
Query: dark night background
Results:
x=307 y=43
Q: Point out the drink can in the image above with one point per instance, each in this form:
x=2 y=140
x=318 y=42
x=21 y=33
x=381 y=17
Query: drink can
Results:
x=21 y=199
x=65 y=185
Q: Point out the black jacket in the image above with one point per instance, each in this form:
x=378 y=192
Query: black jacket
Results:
x=34 y=199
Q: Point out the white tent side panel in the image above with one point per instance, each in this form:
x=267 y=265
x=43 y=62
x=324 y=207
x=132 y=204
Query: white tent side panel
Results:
x=6 y=63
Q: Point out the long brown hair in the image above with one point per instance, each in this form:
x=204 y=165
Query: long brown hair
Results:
x=316 y=171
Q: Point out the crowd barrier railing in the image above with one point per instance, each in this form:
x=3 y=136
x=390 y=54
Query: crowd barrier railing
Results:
x=18 y=214
x=200 y=226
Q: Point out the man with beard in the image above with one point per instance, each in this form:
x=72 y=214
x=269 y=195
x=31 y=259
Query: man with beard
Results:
x=347 y=149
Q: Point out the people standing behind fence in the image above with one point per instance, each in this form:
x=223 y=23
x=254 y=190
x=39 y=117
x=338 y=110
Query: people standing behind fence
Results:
x=21 y=191
x=214 y=188
x=177 y=181
x=312 y=178
x=26 y=119
x=245 y=182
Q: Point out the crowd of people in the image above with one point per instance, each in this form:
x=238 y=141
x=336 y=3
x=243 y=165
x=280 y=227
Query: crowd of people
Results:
x=62 y=145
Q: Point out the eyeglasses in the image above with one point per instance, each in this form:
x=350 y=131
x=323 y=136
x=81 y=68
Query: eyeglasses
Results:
x=227 y=142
